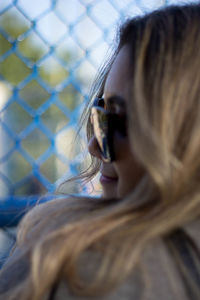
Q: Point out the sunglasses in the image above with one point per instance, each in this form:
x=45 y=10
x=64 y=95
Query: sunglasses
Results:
x=105 y=125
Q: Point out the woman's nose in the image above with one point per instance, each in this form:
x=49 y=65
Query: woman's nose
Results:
x=93 y=147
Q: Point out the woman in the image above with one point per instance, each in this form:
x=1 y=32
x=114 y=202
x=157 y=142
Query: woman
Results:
x=142 y=240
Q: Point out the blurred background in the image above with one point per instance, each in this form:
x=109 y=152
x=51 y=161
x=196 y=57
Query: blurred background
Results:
x=50 y=51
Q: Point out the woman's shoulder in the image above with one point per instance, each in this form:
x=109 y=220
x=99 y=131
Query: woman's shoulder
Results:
x=157 y=277
x=168 y=258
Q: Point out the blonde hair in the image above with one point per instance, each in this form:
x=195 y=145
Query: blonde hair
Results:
x=164 y=130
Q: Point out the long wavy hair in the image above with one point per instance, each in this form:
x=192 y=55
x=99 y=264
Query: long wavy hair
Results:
x=59 y=239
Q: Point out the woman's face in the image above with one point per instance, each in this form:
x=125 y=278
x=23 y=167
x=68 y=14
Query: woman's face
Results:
x=119 y=177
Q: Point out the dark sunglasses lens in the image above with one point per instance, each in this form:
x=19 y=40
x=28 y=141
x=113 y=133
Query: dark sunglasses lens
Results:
x=99 y=120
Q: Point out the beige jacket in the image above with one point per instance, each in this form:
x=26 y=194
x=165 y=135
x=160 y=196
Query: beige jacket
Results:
x=163 y=277
x=161 y=272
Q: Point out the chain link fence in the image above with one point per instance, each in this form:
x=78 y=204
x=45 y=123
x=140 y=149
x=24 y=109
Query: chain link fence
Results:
x=50 y=51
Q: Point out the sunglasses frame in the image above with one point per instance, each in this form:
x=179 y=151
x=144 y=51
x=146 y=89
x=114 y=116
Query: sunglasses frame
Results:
x=104 y=126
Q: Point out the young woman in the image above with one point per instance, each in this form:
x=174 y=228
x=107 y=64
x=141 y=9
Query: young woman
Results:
x=141 y=240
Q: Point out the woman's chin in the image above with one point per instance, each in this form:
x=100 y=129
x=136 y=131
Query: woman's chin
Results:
x=109 y=192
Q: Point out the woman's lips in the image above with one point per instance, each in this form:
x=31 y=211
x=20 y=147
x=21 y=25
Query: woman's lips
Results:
x=106 y=179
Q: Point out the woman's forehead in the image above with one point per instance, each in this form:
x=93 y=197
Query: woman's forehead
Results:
x=118 y=79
